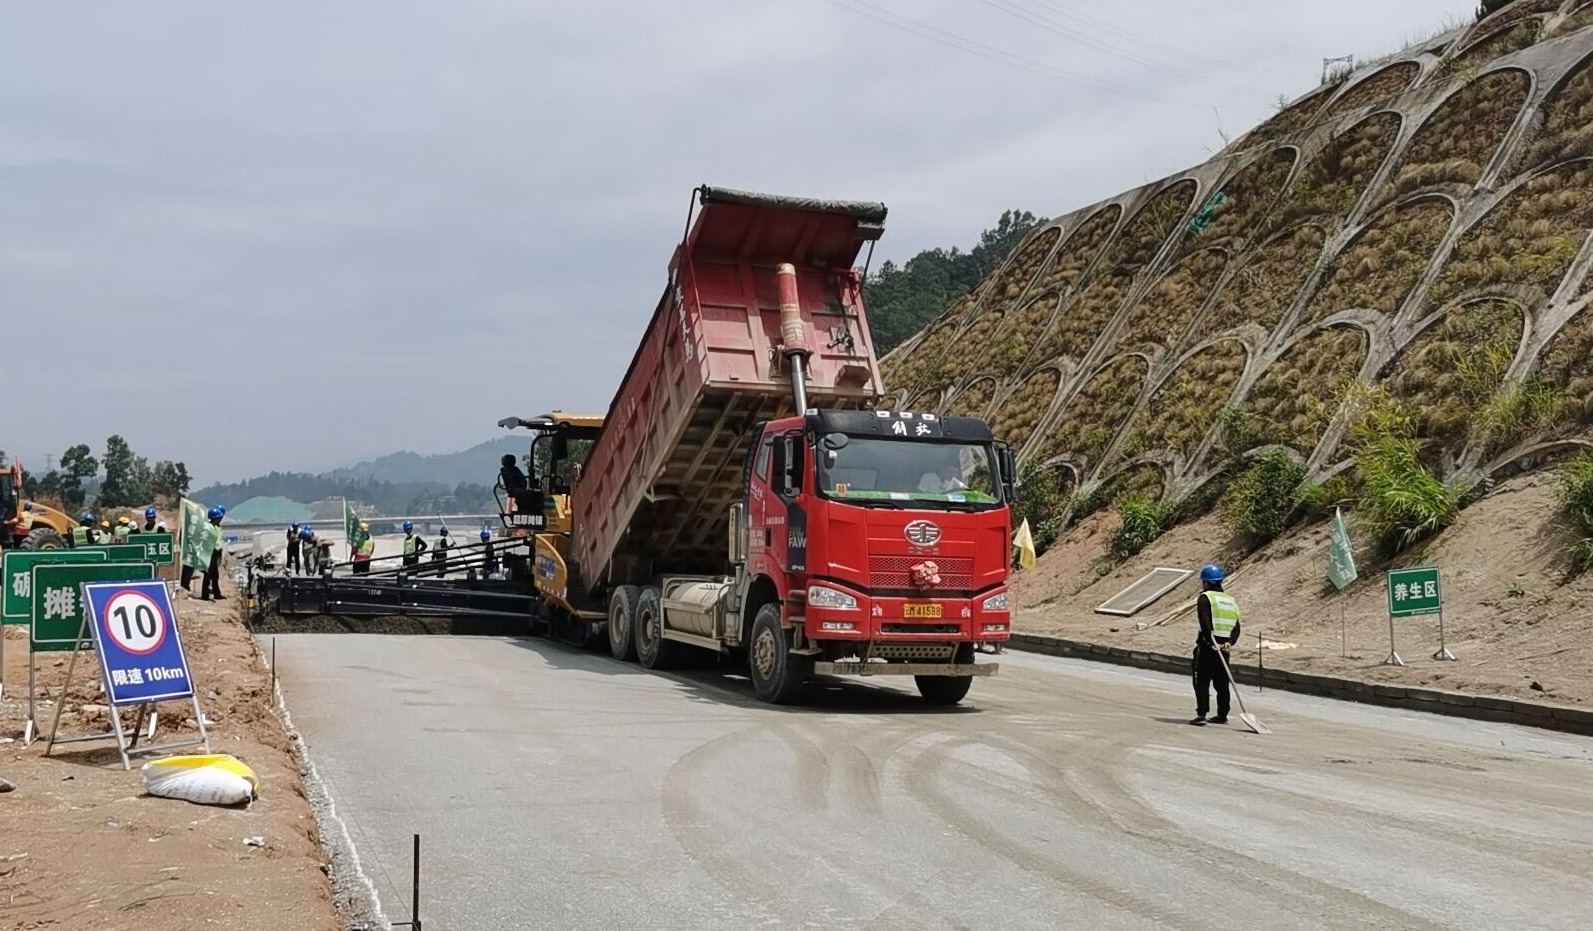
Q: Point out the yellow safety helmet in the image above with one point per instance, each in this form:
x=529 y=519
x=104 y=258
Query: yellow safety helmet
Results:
x=364 y=526
x=122 y=519
x=106 y=524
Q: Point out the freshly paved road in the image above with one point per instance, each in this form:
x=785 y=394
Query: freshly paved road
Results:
x=559 y=789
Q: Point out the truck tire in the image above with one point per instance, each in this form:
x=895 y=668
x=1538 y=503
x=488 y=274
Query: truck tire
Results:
x=622 y=622
x=652 y=650
x=777 y=676
x=948 y=690
x=43 y=538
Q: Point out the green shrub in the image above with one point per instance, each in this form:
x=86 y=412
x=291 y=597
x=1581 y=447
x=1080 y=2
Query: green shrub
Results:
x=1320 y=499
x=1140 y=522
x=1576 y=497
x=1041 y=501
x=1261 y=500
x=1401 y=501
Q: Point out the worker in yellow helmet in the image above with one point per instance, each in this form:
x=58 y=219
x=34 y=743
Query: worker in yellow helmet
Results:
x=363 y=550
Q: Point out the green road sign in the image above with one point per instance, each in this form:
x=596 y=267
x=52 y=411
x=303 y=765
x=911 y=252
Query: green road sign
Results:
x=58 y=601
x=119 y=552
x=18 y=571
x=1413 y=592
x=159 y=548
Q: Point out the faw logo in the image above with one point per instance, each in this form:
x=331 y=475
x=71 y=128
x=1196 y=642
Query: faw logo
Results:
x=922 y=533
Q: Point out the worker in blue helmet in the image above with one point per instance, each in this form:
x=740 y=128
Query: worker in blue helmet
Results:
x=295 y=564
x=489 y=555
x=413 y=545
x=210 y=585
x=439 y=551
x=152 y=523
x=83 y=533
x=1218 y=616
x=308 y=549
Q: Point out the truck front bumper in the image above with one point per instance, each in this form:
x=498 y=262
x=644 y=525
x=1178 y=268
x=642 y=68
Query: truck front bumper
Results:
x=905 y=669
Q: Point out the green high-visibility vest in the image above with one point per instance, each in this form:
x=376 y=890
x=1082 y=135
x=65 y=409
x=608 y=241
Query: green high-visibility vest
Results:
x=121 y=531
x=1224 y=614
x=80 y=535
x=410 y=543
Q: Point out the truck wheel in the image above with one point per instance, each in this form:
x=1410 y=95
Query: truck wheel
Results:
x=948 y=690
x=776 y=674
x=652 y=650
x=43 y=538
x=622 y=622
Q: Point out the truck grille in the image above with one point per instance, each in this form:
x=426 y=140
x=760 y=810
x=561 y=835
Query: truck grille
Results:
x=895 y=572
x=893 y=628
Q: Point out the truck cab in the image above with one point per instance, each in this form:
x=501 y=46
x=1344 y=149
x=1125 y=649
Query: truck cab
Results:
x=882 y=536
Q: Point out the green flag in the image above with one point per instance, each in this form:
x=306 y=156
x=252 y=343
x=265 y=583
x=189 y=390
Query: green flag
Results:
x=1341 y=561
x=199 y=536
x=351 y=529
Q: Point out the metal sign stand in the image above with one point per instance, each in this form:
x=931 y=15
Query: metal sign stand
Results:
x=1443 y=651
x=123 y=745
x=1393 y=654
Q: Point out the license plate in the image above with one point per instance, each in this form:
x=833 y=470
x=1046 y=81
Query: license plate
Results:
x=920 y=610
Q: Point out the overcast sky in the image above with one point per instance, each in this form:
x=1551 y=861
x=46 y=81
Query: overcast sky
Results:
x=290 y=235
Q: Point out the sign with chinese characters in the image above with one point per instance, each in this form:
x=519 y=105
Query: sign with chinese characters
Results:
x=159 y=548
x=1414 y=592
x=911 y=425
x=17 y=607
x=141 y=653
x=57 y=600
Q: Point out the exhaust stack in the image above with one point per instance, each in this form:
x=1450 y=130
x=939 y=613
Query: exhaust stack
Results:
x=793 y=336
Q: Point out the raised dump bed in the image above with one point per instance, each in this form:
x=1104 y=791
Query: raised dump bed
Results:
x=658 y=484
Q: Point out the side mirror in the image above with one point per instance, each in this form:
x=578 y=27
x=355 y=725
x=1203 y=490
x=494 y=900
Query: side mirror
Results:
x=1009 y=469
x=790 y=465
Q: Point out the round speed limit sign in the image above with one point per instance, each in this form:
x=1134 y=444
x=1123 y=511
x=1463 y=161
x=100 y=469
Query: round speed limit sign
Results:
x=134 y=623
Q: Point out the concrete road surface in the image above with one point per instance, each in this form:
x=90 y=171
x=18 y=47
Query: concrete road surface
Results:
x=560 y=789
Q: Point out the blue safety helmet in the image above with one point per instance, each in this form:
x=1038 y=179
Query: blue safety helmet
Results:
x=86 y=517
x=1210 y=573
x=217 y=512
x=149 y=513
x=27 y=505
x=409 y=525
x=443 y=530
x=294 y=526
x=305 y=532
x=485 y=534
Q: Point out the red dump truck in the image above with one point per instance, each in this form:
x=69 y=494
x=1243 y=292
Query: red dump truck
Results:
x=743 y=496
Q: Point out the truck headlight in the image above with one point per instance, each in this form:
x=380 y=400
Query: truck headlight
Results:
x=822 y=596
x=997 y=602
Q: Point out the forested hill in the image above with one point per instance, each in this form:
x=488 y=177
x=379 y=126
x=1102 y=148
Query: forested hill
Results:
x=901 y=299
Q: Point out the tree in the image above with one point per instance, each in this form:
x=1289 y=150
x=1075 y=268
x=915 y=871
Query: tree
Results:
x=169 y=480
x=46 y=488
x=902 y=299
x=126 y=475
x=77 y=464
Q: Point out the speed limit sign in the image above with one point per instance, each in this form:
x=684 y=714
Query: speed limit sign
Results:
x=135 y=631
x=134 y=622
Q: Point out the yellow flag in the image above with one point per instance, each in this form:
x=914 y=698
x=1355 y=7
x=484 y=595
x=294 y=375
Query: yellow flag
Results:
x=1024 y=541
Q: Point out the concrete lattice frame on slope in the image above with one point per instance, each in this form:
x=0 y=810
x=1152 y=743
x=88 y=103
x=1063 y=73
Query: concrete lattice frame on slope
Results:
x=1101 y=292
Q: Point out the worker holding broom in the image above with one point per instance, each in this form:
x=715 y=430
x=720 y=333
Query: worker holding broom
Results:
x=1218 y=615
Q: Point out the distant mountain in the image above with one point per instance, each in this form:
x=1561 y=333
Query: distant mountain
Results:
x=478 y=465
x=397 y=483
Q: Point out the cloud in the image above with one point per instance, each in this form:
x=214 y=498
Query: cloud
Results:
x=288 y=235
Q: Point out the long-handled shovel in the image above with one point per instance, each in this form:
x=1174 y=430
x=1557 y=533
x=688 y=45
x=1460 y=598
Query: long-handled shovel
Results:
x=1245 y=716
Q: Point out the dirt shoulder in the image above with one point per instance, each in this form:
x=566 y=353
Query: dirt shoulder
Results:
x=82 y=846
x=1515 y=615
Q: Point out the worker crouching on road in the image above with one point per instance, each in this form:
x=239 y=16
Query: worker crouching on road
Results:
x=210 y=586
x=413 y=545
x=439 y=551
x=1218 y=614
x=363 y=552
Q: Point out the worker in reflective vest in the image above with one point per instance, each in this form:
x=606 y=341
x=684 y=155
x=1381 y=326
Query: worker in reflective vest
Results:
x=1218 y=615
x=122 y=529
x=364 y=550
x=413 y=545
x=83 y=533
x=439 y=551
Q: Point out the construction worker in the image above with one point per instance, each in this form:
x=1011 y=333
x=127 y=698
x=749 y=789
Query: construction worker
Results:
x=439 y=551
x=364 y=550
x=311 y=552
x=124 y=527
x=413 y=545
x=152 y=522
x=1218 y=615
x=210 y=587
x=25 y=521
x=293 y=547
x=83 y=533
x=489 y=557
x=104 y=534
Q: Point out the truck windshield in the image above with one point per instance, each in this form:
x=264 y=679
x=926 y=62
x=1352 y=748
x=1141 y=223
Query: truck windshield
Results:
x=871 y=469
